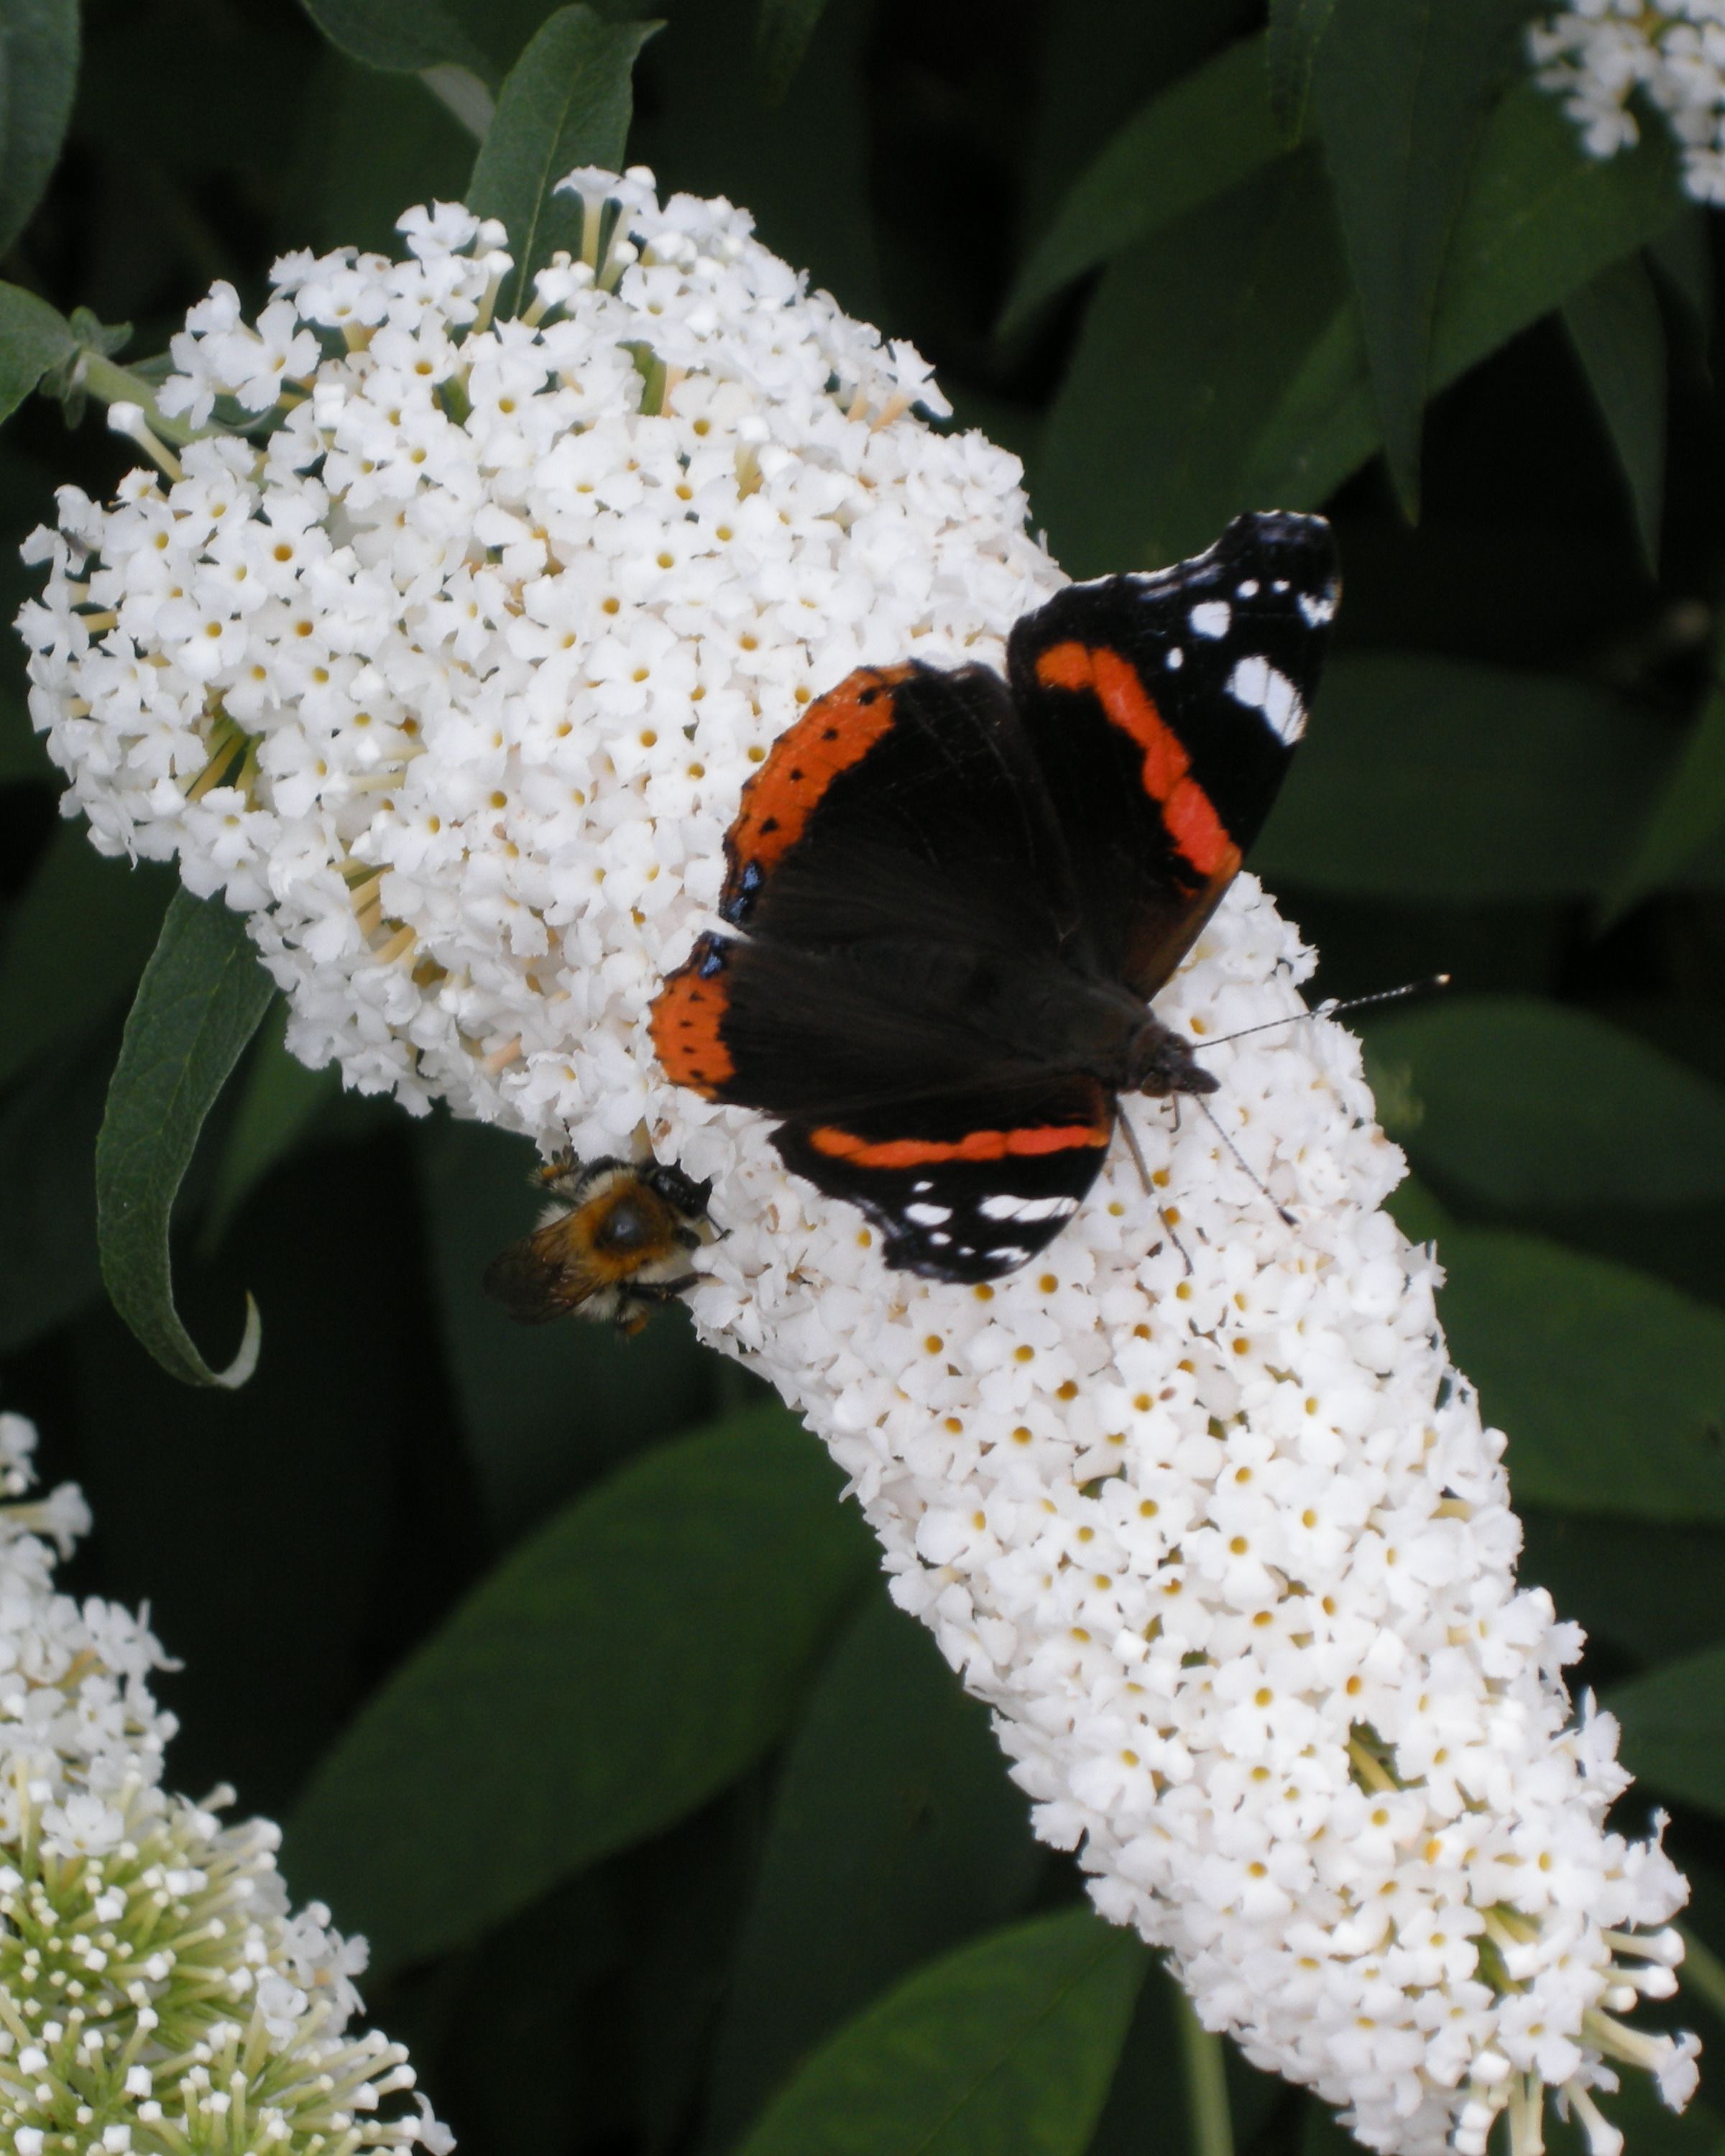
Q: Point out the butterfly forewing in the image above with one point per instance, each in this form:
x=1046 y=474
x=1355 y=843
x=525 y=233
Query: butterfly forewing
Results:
x=1163 y=712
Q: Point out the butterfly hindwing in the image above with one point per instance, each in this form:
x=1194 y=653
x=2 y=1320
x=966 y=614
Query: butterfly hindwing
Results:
x=1163 y=712
x=963 y=1190
x=895 y=879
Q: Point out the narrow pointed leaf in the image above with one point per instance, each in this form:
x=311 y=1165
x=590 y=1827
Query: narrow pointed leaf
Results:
x=1610 y=1384
x=1522 y=1102
x=383 y=33
x=1296 y=29
x=1005 y=2048
x=1614 y=322
x=1686 y=811
x=33 y=338
x=1400 y=91
x=202 y=997
x=1191 y=143
x=567 y=102
x=613 y=1674
x=1540 y=220
x=39 y=73
x=782 y=31
x=1141 y=461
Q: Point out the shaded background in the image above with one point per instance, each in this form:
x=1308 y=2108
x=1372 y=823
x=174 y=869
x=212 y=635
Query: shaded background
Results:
x=1516 y=774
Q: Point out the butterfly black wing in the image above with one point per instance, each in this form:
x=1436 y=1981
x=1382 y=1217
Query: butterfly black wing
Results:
x=902 y=904
x=1163 y=711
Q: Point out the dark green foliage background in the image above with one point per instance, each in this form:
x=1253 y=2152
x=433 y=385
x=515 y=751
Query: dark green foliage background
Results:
x=576 y=1686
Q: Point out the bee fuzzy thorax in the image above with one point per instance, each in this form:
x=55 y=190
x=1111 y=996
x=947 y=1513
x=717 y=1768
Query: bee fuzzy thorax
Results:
x=615 y=1239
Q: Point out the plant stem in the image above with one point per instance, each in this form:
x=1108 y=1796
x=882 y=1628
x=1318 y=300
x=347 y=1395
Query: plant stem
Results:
x=1206 y=2084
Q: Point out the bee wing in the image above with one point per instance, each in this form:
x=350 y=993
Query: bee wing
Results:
x=544 y=1275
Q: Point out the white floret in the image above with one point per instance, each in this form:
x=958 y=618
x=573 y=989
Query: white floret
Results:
x=1596 y=55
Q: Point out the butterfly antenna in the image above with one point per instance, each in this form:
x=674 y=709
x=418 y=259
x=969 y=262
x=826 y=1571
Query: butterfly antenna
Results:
x=1132 y=1147
x=1282 y=1213
x=1144 y=1176
x=1332 y=1009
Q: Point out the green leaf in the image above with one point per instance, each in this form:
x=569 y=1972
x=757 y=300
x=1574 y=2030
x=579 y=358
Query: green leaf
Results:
x=75 y=943
x=1193 y=142
x=611 y=1676
x=567 y=102
x=1297 y=28
x=1683 y=255
x=1651 y=1589
x=202 y=997
x=375 y=142
x=1540 y=220
x=1610 y=1384
x=1419 y=1215
x=1401 y=89
x=383 y=33
x=1005 y=2048
x=1146 y=2090
x=278 y=1100
x=39 y=73
x=545 y=1409
x=34 y=340
x=895 y=1834
x=1614 y=322
x=782 y=37
x=1673 y=1727
x=1523 y=1102
x=1686 y=812
x=1425 y=779
x=1141 y=462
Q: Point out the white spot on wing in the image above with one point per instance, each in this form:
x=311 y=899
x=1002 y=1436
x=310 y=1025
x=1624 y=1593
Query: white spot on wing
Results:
x=1319 y=608
x=1008 y=1207
x=1175 y=659
x=1248 y=590
x=929 y=1216
x=1257 y=684
x=1010 y=1255
x=1211 y=618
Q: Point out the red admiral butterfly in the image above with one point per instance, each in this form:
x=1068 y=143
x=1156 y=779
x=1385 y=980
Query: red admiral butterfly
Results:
x=958 y=894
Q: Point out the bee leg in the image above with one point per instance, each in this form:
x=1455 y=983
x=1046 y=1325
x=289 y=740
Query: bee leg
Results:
x=664 y=1290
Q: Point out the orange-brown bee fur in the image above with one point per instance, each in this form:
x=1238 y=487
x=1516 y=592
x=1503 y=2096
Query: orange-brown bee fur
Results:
x=614 y=1241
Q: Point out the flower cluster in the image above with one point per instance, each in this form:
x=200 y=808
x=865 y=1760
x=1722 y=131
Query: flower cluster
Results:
x=1597 y=53
x=452 y=684
x=449 y=683
x=155 y=1993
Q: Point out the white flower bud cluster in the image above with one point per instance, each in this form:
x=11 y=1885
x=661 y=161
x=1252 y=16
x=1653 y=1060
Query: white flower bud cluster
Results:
x=452 y=685
x=156 y=1995
x=1597 y=53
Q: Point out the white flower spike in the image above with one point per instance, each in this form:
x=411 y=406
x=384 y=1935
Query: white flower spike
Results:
x=153 y=1987
x=453 y=685
x=1595 y=54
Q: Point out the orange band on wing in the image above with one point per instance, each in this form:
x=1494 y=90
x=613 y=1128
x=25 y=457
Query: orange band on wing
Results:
x=830 y=736
x=1192 y=823
x=975 y=1145
x=687 y=1015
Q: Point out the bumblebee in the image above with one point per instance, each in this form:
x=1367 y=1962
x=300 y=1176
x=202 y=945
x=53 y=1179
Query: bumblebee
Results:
x=614 y=1241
